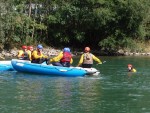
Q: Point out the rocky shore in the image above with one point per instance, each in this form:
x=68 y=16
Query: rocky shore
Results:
x=13 y=53
x=128 y=53
x=51 y=52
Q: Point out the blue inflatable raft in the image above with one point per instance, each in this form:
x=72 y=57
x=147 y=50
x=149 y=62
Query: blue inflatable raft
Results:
x=6 y=66
x=23 y=66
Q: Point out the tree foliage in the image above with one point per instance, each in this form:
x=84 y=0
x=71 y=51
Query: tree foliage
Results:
x=109 y=24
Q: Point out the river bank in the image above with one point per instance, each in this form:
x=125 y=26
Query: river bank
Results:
x=13 y=52
x=53 y=52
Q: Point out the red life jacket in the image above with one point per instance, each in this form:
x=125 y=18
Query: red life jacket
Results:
x=66 y=57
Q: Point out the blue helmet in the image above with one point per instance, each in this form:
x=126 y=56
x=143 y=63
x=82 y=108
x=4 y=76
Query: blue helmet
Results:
x=66 y=49
x=40 y=46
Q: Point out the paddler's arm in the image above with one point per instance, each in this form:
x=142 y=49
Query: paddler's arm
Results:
x=96 y=59
x=71 y=61
x=29 y=53
x=44 y=56
x=80 y=61
x=57 y=58
x=133 y=70
x=20 y=54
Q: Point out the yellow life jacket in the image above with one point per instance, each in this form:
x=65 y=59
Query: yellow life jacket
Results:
x=23 y=55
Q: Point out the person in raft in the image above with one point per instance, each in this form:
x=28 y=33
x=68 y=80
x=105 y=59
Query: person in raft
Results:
x=38 y=56
x=63 y=59
x=30 y=50
x=86 y=59
x=23 y=54
x=130 y=68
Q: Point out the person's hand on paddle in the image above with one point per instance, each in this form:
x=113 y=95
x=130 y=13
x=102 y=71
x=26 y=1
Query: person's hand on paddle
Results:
x=101 y=62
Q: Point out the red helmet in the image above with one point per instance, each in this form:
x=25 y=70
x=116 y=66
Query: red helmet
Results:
x=87 y=49
x=30 y=48
x=24 y=47
x=130 y=65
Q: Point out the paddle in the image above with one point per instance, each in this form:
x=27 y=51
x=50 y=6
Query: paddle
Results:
x=2 y=57
x=104 y=62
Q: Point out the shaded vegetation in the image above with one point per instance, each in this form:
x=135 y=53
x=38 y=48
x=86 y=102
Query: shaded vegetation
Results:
x=105 y=24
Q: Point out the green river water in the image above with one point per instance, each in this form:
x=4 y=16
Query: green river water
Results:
x=115 y=90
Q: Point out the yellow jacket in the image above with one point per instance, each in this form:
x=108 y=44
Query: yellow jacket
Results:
x=21 y=54
x=94 y=58
x=133 y=70
x=36 y=55
x=59 y=57
x=30 y=55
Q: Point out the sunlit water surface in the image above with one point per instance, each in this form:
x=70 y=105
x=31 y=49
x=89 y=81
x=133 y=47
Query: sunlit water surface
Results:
x=113 y=91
